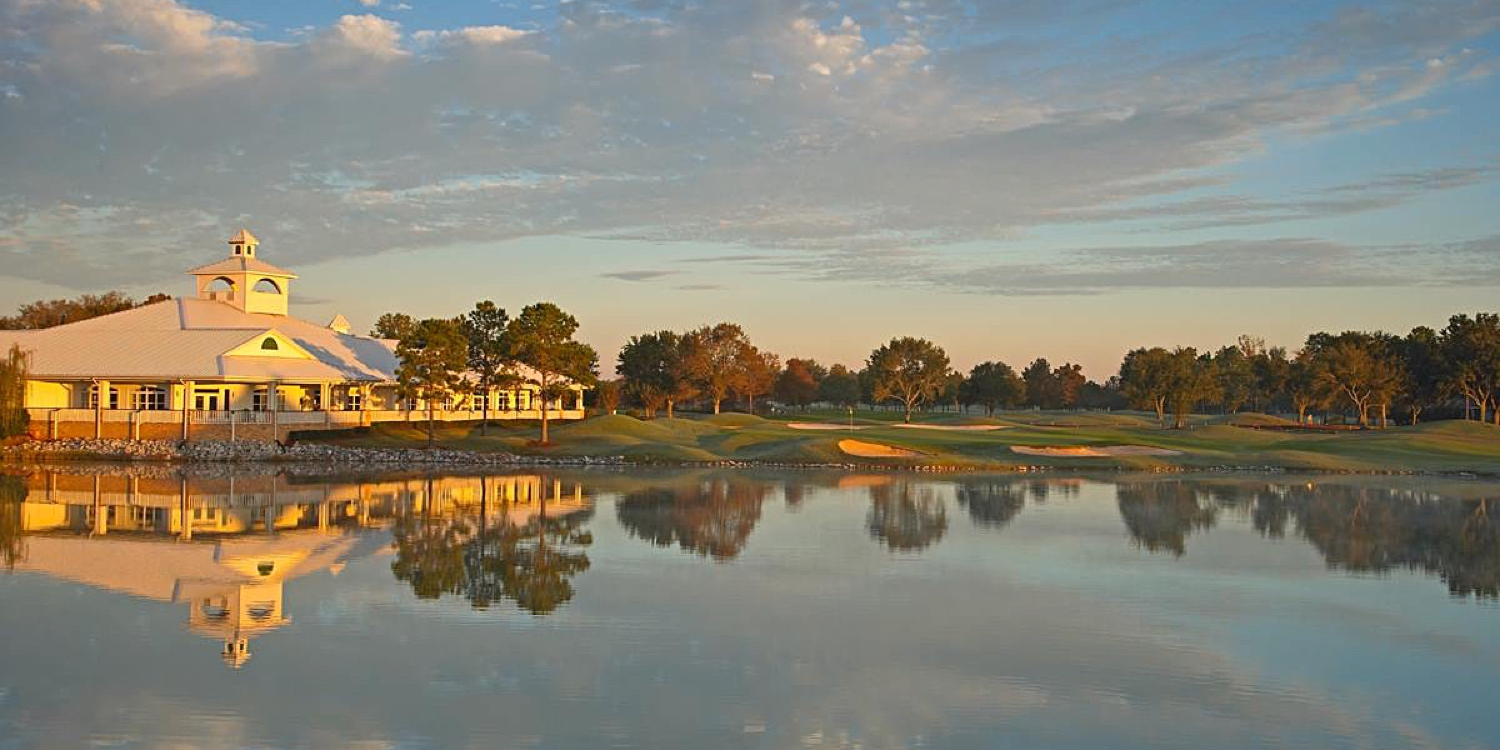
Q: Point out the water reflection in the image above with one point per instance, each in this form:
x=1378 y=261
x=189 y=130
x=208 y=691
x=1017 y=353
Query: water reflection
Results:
x=1159 y=515
x=491 y=539
x=224 y=547
x=711 y=517
x=907 y=515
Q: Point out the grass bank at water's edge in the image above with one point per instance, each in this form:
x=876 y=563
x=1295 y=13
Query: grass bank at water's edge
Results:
x=1210 y=442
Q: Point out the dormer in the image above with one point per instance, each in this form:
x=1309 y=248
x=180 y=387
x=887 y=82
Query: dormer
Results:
x=245 y=281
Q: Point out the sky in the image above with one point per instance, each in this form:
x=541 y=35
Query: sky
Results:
x=1065 y=179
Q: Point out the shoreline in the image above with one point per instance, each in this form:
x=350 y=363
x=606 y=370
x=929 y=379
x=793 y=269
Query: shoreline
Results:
x=255 y=453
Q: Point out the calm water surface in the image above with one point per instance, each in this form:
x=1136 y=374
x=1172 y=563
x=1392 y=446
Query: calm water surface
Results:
x=145 y=608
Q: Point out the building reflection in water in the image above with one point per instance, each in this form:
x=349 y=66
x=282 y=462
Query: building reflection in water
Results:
x=225 y=547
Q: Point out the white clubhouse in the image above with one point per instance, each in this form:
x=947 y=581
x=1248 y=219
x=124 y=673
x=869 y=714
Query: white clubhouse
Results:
x=231 y=361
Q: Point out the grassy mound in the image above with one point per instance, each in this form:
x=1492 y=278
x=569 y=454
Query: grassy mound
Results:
x=734 y=420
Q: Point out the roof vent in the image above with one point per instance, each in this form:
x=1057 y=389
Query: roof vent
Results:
x=339 y=324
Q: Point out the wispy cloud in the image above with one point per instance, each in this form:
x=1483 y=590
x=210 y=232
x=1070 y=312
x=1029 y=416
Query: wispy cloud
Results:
x=636 y=275
x=875 y=134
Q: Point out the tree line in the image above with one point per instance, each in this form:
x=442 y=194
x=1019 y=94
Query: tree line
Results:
x=661 y=369
x=1369 y=374
x=45 y=313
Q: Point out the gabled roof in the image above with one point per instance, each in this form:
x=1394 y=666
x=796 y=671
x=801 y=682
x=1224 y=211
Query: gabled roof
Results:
x=242 y=264
x=189 y=338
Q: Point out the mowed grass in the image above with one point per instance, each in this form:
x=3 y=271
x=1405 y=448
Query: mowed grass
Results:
x=1208 y=442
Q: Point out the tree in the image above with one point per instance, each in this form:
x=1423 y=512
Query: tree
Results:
x=651 y=367
x=1191 y=381
x=1305 y=386
x=1422 y=355
x=1357 y=366
x=994 y=385
x=489 y=354
x=14 y=419
x=433 y=357
x=1471 y=356
x=839 y=387
x=608 y=394
x=910 y=370
x=541 y=337
x=758 y=373
x=1041 y=386
x=393 y=326
x=797 y=385
x=1236 y=373
x=49 y=313
x=1067 y=384
x=1271 y=369
x=1146 y=380
x=714 y=360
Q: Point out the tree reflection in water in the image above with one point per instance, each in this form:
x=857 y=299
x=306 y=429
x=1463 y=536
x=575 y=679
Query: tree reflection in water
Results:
x=992 y=504
x=487 y=561
x=711 y=517
x=1377 y=530
x=1159 y=515
x=906 y=516
x=12 y=543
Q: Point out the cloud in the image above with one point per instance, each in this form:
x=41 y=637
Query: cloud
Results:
x=864 y=136
x=1217 y=211
x=636 y=275
x=370 y=3
x=477 y=35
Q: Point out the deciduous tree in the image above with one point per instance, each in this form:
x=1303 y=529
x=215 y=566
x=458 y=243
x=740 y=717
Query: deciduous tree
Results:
x=839 y=387
x=1471 y=356
x=1146 y=380
x=714 y=360
x=797 y=385
x=995 y=385
x=651 y=366
x=910 y=370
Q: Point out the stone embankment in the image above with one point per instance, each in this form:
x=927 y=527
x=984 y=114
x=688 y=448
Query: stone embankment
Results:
x=252 y=450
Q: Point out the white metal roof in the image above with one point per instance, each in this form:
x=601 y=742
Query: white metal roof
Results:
x=188 y=339
x=242 y=264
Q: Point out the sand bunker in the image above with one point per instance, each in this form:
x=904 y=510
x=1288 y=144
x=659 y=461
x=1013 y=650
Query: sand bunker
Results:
x=1093 y=451
x=822 y=426
x=874 y=450
x=955 y=427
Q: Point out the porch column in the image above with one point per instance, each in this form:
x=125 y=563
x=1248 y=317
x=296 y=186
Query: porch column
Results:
x=365 y=394
x=325 y=397
x=187 y=408
x=101 y=397
x=275 y=396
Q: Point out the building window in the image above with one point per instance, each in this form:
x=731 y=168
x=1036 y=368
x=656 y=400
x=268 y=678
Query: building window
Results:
x=267 y=286
x=354 y=400
x=270 y=344
x=481 y=400
x=502 y=401
x=523 y=400
x=149 y=398
x=113 y=402
x=261 y=400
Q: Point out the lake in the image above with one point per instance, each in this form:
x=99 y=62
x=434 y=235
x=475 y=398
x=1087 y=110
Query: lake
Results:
x=202 y=607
